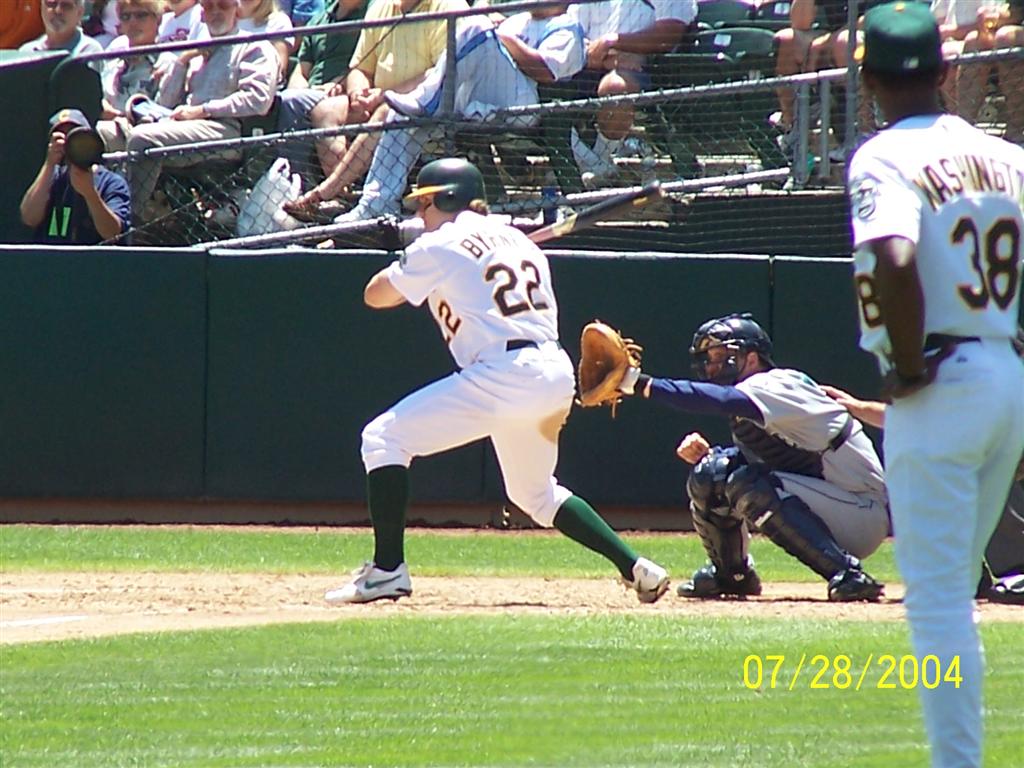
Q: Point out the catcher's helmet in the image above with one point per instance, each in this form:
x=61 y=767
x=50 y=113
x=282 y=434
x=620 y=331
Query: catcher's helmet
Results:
x=453 y=181
x=739 y=334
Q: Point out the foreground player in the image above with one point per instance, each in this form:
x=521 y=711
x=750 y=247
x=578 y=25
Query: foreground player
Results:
x=489 y=290
x=936 y=211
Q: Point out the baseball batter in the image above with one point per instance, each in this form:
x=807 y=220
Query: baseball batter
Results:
x=936 y=210
x=489 y=290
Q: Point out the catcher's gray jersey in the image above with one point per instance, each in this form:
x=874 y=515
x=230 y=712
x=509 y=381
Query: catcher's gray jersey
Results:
x=797 y=412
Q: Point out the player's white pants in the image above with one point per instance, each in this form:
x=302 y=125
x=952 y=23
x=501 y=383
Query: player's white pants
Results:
x=951 y=450
x=859 y=522
x=519 y=399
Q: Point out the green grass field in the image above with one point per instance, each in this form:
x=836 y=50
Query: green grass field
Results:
x=619 y=690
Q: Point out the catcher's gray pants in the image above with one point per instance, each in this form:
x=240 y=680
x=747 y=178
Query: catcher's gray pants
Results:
x=858 y=522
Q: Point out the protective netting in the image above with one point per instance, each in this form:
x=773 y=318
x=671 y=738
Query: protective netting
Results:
x=710 y=119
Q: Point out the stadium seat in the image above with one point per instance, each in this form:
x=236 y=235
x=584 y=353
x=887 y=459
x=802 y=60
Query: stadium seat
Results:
x=712 y=125
x=712 y=14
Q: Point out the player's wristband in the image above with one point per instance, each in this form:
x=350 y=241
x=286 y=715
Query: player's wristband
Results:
x=628 y=384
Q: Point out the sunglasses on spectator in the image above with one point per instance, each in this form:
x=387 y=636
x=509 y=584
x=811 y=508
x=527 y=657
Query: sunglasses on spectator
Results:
x=137 y=15
x=64 y=5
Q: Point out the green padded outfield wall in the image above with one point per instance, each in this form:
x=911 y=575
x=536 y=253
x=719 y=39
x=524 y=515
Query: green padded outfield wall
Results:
x=103 y=357
x=178 y=374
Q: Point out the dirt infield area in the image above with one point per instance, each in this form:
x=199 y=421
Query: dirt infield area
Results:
x=58 y=606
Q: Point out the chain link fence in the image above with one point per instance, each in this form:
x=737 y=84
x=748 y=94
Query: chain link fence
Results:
x=702 y=119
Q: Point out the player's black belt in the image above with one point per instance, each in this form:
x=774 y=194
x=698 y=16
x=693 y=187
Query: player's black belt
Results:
x=842 y=435
x=513 y=344
x=934 y=341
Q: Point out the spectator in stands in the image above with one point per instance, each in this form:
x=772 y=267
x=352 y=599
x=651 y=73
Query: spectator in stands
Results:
x=1011 y=72
x=72 y=205
x=301 y=12
x=495 y=69
x=62 y=22
x=395 y=57
x=321 y=72
x=125 y=77
x=184 y=21
x=259 y=16
x=19 y=23
x=808 y=46
x=100 y=21
x=620 y=34
x=972 y=26
x=210 y=91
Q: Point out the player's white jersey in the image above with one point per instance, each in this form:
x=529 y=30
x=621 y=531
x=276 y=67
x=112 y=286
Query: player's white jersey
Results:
x=798 y=412
x=957 y=193
x=485 y=282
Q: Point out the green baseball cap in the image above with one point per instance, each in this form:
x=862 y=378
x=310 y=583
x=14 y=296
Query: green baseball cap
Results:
x=900 y=38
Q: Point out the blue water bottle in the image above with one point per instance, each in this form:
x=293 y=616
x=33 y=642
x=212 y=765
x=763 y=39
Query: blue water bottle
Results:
x=549 y=205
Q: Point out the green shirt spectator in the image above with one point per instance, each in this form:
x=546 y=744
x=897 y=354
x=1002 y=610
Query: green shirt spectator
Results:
x=328 y=55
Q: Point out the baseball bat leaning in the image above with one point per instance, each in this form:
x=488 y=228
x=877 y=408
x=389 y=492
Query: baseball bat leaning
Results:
x=588 y=217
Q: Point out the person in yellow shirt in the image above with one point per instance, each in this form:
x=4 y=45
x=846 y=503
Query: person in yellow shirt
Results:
x=394 y=57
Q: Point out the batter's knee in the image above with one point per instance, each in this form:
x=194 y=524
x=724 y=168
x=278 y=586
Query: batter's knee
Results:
x=751 y=491
x=540 y=502
x=380 y=445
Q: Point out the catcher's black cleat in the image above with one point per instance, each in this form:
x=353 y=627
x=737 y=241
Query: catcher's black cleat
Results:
x=854 y=585
x=707 y=584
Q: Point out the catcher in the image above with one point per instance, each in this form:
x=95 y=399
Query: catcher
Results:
x=801 y=471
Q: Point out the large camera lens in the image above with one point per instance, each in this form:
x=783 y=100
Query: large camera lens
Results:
x=83 y=147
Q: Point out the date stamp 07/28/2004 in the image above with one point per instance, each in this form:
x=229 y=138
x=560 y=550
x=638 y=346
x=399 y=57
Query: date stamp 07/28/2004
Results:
x=821 y=672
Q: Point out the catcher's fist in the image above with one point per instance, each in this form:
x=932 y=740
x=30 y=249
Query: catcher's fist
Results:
x=693 y=448
x=609 y=365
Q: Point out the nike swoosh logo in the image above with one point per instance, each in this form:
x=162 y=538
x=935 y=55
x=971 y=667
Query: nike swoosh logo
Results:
x=381 y=583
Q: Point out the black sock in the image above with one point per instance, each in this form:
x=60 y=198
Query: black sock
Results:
x=581 y=523
x=387 y=492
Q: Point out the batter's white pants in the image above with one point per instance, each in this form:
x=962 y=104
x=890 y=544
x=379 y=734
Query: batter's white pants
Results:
x=951 y=450
x=518 y=399
x=859 y=522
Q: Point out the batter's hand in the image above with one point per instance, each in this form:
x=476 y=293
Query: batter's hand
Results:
x=693 y=448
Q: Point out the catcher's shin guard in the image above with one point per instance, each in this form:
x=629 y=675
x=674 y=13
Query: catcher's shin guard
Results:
x=788 y=522
x=723 y=534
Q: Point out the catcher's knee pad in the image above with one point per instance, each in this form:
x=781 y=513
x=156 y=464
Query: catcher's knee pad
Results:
x=752 y=492
x=787 y=521
x=706 y=483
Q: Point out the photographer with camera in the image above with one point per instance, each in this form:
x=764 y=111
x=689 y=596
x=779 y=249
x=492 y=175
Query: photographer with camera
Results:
x=73 y=200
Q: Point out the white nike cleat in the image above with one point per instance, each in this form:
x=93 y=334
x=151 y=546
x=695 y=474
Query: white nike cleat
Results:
x=371 y=583
x=650 y=580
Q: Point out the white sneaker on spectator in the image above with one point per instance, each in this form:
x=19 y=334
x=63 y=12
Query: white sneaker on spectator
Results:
x=368 y=209
x=650 y=580
x=371 y=583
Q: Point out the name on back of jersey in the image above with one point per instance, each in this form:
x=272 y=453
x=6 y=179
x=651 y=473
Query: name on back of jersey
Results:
x=965 y=174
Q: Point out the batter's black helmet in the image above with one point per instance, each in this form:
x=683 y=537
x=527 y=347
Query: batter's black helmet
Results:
x=736 y=332
x=454 y=182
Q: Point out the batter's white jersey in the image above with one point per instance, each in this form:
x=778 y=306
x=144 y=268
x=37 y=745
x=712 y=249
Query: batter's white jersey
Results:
x=485 y=282
x=956 y=192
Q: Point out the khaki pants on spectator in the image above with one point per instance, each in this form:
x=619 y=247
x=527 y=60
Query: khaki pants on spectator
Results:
x=144 y=172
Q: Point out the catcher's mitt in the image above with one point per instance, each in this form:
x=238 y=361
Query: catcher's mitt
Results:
x=605 y=360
